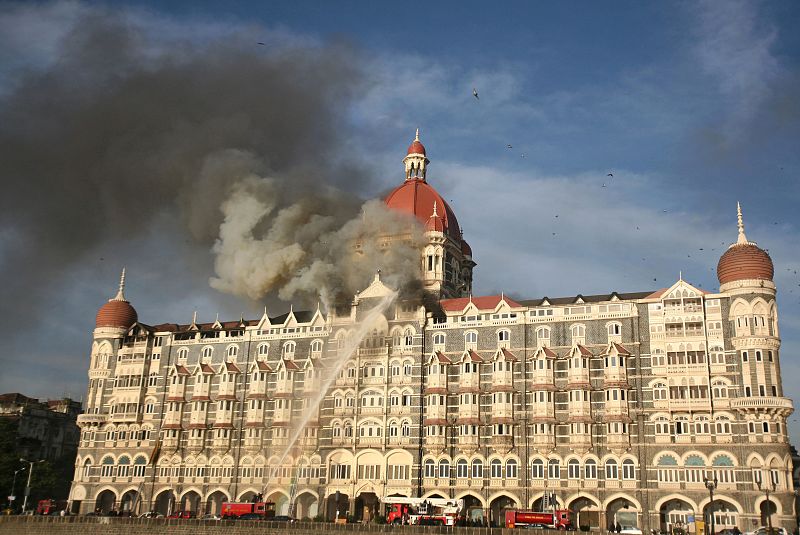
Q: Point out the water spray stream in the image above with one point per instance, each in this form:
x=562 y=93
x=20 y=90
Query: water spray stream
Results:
x=343 y=355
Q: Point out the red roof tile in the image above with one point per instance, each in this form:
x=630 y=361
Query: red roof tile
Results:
x=509 y=355
x=621 y=349
x=232 y=368
x=442 y=358
x=473 y=356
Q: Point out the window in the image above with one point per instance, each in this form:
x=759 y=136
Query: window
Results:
x=263 y=350
x=233 y=351
x=614 y=329
x=444 y=469
x=612 y=469
x=543 y=336
x=744 y=356
x=207 y=352
x=438 y=339
x=496 y=469
x=537 y=469
x=503 y=337
x=462 y=469
x=511 y=469
x=591 y=469
x=471 y=339
x=628 y=469
x=578 y=332
x=574 y=469
x=316 y=346
x=553 y=469
x=288 y=350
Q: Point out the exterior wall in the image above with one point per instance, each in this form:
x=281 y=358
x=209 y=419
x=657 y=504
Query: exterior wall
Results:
x=550 y=418
x=45 y=430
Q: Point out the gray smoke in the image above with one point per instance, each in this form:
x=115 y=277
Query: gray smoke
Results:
x=242 y=143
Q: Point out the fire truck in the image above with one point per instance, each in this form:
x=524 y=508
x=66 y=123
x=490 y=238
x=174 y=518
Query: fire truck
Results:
x=423 y=511
x=49 y=507
x=558 y=519
x=235 y=510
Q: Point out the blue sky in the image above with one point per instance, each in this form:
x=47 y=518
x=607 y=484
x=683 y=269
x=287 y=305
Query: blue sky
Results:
x=691 y=106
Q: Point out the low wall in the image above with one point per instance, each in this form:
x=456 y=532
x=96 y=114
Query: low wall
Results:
x=80 y=525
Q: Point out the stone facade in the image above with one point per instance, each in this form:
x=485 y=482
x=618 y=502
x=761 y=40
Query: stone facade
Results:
x=618 y=407
x=44 y=429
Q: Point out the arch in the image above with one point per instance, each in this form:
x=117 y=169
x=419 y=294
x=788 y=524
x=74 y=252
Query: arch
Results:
x=623 y=511
x=190 y=501
x=306 y=504
x=586 y=508
x=164 y=501
x=498 y=503
x=675 y=497
x=105 y=500
x=214 y=501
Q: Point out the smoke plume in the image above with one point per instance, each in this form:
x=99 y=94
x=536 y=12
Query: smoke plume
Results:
x=134 y=121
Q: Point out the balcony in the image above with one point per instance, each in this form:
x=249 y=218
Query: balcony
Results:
x=774 y=405
x=119 y=417
x=503 y=380
x=91 y=419
x=469 y=381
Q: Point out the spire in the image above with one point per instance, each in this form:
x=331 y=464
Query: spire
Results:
x=742 y=239
x=434 y=210
x=121 y=292
x=416 y=137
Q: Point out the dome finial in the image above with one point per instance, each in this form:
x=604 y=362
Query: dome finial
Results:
x=434 y=210
x=416 y=138
x=742 y=238
x=121 y=292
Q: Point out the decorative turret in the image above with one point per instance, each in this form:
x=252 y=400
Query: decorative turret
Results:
x=744 y=260
x=118 y=312
x=415 y=160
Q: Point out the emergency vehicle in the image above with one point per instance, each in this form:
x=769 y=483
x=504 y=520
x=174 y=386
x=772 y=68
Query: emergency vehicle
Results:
x=423 y=511
x=235 y=510
x=558 y=519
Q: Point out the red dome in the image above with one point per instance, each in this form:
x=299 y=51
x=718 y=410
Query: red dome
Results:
x=416 y=148
x=435 y=223
x=118 y=314
x=417 y=197
x=466 y=250
x=744 y=261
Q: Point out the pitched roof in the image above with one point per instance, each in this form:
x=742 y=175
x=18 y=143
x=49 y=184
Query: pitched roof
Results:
x=473 y=356
x=442 y=358
x=509 y=355
x=290 y=364
x=487 y=302
x=599 y=298
x=621 y=349
x=232 y=368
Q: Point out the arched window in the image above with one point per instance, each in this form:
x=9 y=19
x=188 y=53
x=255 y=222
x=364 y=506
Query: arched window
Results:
x=471 y=340
x=723 y=425
x=430 y=468
x=408 y=338
x=316 y=346
x=574 y=469
x=438 y=340
x=496 y=469
x=660 y=392
x=591 y=469
x=207 y=352
x=444 y=469
x=288 y=350
x=612 y=469
x=87 y=467
x=233 y=351
x=263 y=350
x=578 y=332
x=511 y=469
x=628 y=469
x=503 y=338
x=477 y=468
x=107 y=467
x=553 y=469
x=462 y=469
x=405 y=429
x=614 y=329
x=183 y=353
x=543 y=336
x=537 y=469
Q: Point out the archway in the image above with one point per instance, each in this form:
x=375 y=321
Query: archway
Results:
x=768 y=512
x=726 y=514
x=129 y=504
x=622 y=512
x=474 y=513
x=214 y=502
x=587 y=512
x=337 y=506
x=674 y=516
x=367 y=507
x=165 y=502
x=191 y=502
x=250 y=496
x=105 y=502
x=281 y=502
x=497 y=509
x=306 y=506
x=546 y=502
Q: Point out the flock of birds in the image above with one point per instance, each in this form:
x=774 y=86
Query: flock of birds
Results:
x=607 y=182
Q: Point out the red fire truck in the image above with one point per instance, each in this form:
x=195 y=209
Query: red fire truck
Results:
x=49 y=507
x=559 y=519
x=423 y=511
x=235 y=510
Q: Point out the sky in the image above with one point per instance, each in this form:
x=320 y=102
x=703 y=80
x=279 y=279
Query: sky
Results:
x=691 y=106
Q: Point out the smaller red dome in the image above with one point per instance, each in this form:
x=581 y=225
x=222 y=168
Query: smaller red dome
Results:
x=435 y=223
x=118 y=314
x=416 y=148
x=745 y=261
x=466 y=250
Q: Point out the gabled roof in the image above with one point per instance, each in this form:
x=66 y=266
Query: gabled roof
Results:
x=487 y=302
x=470 y=355
x=181 y=370
x=547 y=352
x=290 y=365
x=508 y=355
x=621 y=349
x=205 y=368
x=440 y=357
x=232 y=368
x=599 y=298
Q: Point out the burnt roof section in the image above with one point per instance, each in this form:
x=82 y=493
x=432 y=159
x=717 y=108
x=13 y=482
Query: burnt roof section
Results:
x=600 y=298
x=302 y=316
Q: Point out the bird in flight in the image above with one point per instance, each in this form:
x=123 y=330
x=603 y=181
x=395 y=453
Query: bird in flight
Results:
x=262 y=44
x=475 y=93
x=604 y=184
x=509 y=146
x=610 y=174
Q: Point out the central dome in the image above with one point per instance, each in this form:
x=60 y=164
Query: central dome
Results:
x=417 y=198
